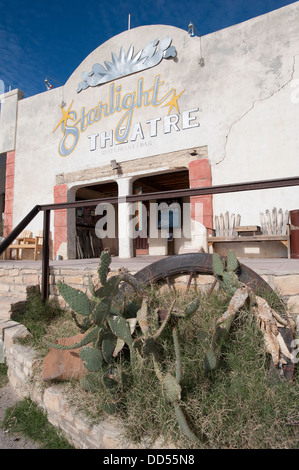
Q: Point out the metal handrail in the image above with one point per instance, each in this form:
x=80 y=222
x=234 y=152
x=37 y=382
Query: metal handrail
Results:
x=207 y=190
x=18 y=229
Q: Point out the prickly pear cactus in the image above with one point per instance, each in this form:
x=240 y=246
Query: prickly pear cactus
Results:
x=92 y=359
x=103 y=270
x=225 y=271
x=192 y=307
x=210 y=360
x=110 y=332
x=103 y=324
x=232 y=261
x=172 y=388
x=76 y=299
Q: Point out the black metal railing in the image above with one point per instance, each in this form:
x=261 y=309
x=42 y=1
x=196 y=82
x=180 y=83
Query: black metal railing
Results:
x=172 y=194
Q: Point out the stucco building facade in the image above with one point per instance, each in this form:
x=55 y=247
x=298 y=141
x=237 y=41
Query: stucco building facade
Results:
x=155 y=109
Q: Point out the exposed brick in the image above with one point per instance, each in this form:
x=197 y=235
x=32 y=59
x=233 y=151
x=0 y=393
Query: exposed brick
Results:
x=74 y=280
x=9 y=183
x=31 y=280
x=9 y=191
x=60 y=218
x=200 y=170
x=200 y=176
x=9 y=206
x=60 y=192
x=13 y=272
x=10 y=169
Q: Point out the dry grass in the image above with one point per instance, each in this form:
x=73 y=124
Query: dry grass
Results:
x=236 y=406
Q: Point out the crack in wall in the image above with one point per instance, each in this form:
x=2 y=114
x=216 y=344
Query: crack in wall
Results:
x=251 y=108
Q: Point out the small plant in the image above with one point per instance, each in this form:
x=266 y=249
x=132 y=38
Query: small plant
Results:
x=172 y=388
x=36 y=316
x=128 y=345
x=226 y=271
x=28 y=419
x=3 y=374
x=109 y=330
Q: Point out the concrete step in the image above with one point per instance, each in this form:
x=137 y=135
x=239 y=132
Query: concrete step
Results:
x=9 y=305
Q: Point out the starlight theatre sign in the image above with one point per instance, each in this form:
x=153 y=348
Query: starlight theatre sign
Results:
x=127 y=130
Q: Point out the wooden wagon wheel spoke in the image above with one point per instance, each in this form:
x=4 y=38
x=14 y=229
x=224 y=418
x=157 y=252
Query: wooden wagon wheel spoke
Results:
x=190 y=280
x=168 y=283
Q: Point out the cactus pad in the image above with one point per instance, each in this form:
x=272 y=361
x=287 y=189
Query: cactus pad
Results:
x=109 y=289
x=218 y=267
x=92 y=359
x=231 y=281
x=103 y=270
x=172 y=388
x=90 y=382
x=202 y=335
x=232 y=262
x=101 y=312
x=120 y=327
x=108 y=346
x=192 y=307
x=76 y=299
x=90 y=336
x=210 y=360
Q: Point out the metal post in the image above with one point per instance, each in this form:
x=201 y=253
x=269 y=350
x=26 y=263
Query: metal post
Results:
x=46 y=255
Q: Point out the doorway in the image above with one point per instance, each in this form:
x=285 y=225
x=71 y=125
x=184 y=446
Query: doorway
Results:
x=144 y=244
x=88 y=220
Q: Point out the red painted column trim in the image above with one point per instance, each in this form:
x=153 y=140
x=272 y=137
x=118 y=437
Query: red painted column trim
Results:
x=9 y=192
x=60 y=217
x=200 y=175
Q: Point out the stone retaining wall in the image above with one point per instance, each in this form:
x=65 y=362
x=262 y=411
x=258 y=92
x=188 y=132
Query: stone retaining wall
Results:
x=287 y=286
x=17 y=281
x=22 y=365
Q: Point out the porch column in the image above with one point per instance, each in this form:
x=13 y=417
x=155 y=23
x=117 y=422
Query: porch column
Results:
x=200 y=176
x=60 y=222
x=9 y=193
x=201 y=206
x=125 y=239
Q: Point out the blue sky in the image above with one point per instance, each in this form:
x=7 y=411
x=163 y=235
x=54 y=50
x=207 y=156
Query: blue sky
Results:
x=40 y=38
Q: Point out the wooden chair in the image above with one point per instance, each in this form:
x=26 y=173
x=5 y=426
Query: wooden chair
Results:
x=273 y=229
x=25 y=241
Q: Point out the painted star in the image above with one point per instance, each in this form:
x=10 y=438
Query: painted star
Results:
x=173 y=102
x=65 y=117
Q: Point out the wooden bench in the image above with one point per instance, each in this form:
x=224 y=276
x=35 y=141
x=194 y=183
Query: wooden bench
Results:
x=25 y=242
x=250 y=234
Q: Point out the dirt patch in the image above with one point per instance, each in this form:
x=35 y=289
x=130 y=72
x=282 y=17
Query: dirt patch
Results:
x=8 y=440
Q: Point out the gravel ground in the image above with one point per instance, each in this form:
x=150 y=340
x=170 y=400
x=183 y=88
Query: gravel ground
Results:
x=8 y=398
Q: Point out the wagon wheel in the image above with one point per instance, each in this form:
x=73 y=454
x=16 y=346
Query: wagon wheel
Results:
x=192 y=264
x=164 y=270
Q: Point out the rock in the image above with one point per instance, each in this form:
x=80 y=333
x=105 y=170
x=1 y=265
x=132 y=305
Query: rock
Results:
x=62 y=364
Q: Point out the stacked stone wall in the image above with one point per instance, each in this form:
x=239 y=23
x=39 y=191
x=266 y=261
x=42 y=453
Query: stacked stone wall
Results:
x=18 y=281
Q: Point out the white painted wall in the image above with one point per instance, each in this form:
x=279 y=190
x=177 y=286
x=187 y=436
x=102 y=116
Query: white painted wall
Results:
x=245 y=94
